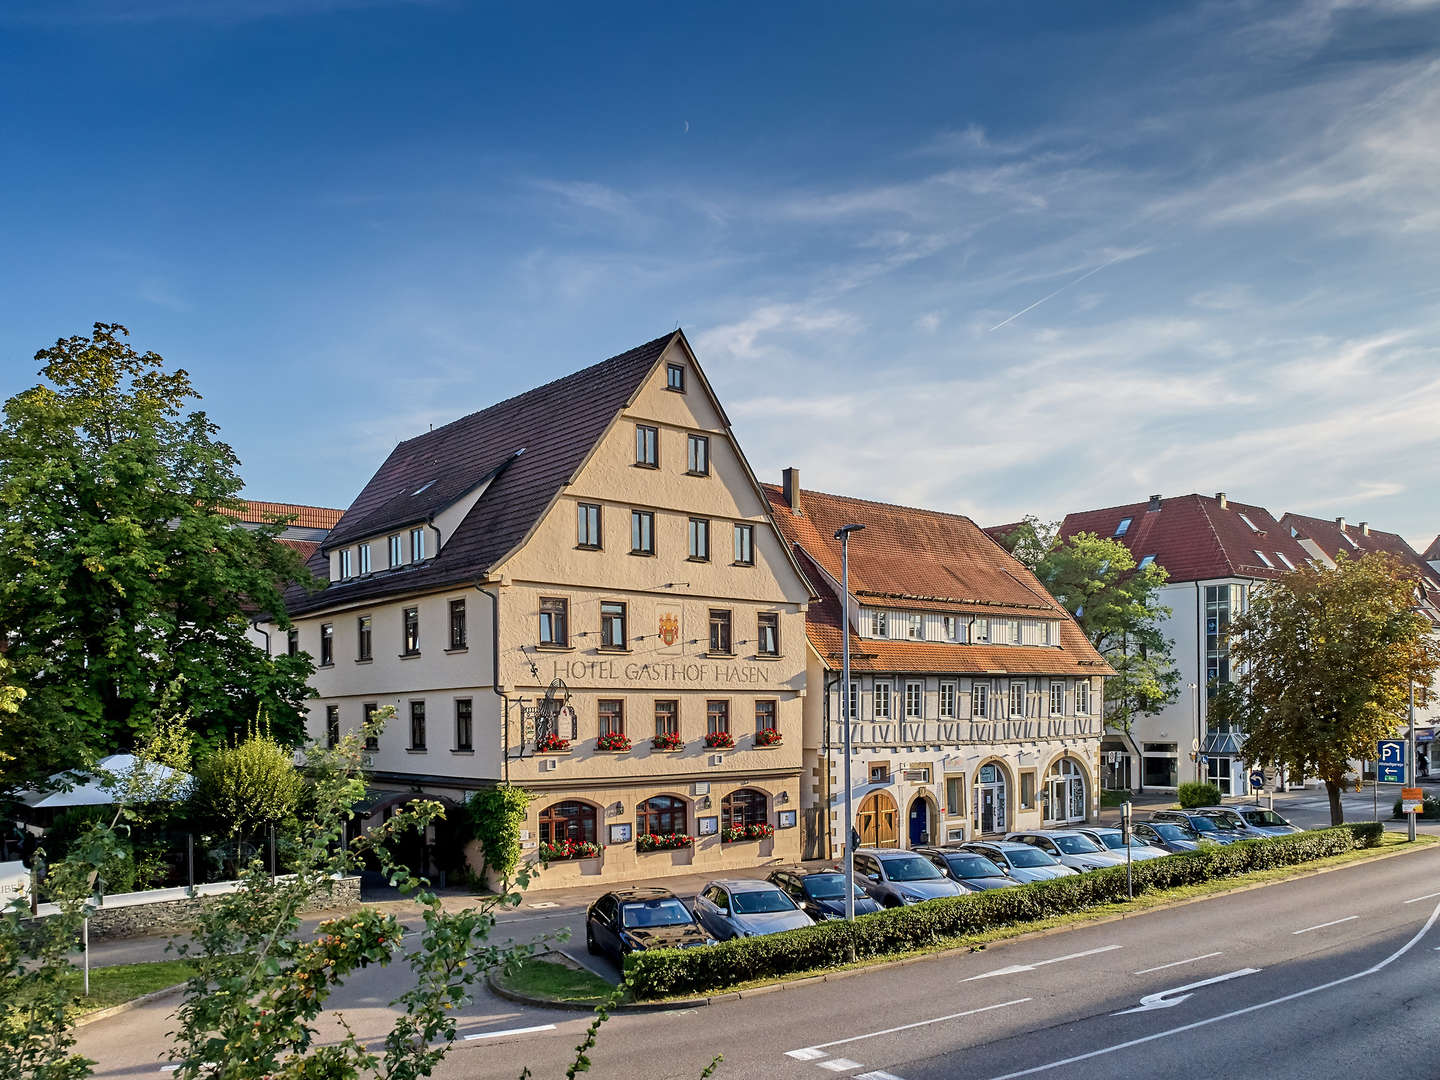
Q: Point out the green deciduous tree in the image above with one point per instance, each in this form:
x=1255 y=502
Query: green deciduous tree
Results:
x=120 y=571
x=247 y=786
x=1322 y=661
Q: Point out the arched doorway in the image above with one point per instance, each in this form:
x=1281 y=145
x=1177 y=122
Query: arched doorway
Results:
x=992 y=793
x=922 y=821
x=1065 y=793
x=876 y=820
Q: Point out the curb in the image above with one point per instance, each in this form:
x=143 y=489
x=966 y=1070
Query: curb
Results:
x=126 y=1006
x=493 y=985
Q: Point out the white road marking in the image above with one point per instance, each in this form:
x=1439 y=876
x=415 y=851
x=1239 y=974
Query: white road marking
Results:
x=509 y=1031
x=1177 y=963
x=1427 y=896
x=169 y=1068
x=1015 y=969
x=807 y=1054
x=543 y=904
x=839 y=1064
x=1322 y=926
x=907 y=1027
x=877 y=1075
x=1166 y=999
x=1429 y=923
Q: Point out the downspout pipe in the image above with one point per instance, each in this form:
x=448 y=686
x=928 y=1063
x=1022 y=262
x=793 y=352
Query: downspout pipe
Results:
x=495 y=675
x=255 y=625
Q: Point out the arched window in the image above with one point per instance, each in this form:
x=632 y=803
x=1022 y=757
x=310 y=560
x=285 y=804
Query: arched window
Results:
x=1065 y=799
x=744 y=807
x=661 y=814
x=569 y=820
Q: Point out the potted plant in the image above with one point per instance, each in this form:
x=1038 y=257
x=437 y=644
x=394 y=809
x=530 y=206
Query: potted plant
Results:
x=662 y=841
x=552 y=743
x=767 y=737
x=668 y=740
x=568 y=849
x=616 y=742
x=747 y=832
x=719 y=740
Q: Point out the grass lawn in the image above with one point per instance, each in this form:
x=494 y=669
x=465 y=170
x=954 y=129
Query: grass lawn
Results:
x=556 y=982
x=1114 y=798
x=124 y=982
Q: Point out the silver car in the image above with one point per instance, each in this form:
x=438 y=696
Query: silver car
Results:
x=746 y=908
x=1070 y=849
x=975 y=872
x=1251 y=821
x=893 y=877
x=1113 y=841
x=1019 y=861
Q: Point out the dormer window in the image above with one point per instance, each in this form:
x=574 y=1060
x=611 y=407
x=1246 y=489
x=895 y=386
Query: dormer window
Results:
x=880 y=624
x=1123 y=527
x=417 y=544
x=915 y=627
x=346 y=570
x=980 y=629
x=396 y=558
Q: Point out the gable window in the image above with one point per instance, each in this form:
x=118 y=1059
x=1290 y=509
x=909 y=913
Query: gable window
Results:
x=464 y=724
x=1057 y=699
x=1123 y=527
x=612 y=625
x=698 y=459
x=647 y=446
x=1017 y=699
x=611 y=714
x=720 y=631
x=642 y=532
x=882 y=699
x=717 y=717
x=980 y=699
x=768 y=634
x=346 y=570
x=292 y=642
x=457 y=624
x=327 y=644
x=947 y=700
x=675 y=378
x=417 y=545
x=744 y=545
x=395 y=555
x=332 y=725
x=915 y=626
x=417 y=725
x=700 y=539
x=914 y=700
x=363 y=638
x=364 y=551
x=554 y=621
x=372 y=738
x=764 y=716
x=1082 y=698
x=588 y=529
x=880 y=623
x=410 y=625
x=667 y=718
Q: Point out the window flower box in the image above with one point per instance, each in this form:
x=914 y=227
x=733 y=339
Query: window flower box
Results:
x=552 y=744
x=568 y=849
x=747 y=832
x=662 y=841
x=767 y=737
x=668 y=741
x=720 y=740
x=613 y=741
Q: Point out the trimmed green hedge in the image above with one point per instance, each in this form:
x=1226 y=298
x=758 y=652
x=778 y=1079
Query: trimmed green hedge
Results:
x=1194 y=794
x=1367 y=833
x=668 y=972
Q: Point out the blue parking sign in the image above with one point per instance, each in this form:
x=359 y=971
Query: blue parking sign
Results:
x=1391 y=762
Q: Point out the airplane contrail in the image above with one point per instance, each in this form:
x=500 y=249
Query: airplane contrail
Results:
x=1062 y=288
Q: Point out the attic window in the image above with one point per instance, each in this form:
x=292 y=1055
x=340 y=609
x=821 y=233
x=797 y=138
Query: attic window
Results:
x=1350 y=540
x=675 y=377
x=1123 y=527
x=1247 y=521
x=1146 y=561
x=423 y=487
x=1294 y=532
x=1264 y=559
x=1288 y=564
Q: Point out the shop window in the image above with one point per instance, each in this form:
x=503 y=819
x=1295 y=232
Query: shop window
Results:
x=955 y=795
x=1027 y=790
x=662 y=815
x=570 y=820
x=744 y=807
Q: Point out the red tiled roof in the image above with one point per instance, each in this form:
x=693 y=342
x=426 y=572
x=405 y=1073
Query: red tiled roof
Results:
x=922 y=560
x=306 y=517
x=305 y=548
x=1329 y=537
x=1432 y=553
x=1195 y=538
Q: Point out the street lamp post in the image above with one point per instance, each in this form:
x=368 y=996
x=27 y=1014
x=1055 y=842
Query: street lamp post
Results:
x=1199 y=731
x=1410 y=773
x=843 y=535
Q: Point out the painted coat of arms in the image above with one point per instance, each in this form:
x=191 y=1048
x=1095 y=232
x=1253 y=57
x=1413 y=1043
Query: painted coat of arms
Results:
x=669 y=629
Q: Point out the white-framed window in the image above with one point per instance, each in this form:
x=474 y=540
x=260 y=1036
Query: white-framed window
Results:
x=949 y=626
x=1264 y=559
x=1017 y=628
x=853 y=705
x=346 y=569
x=915 y=626
x=980 y=630
x=880 y=624
x=1082 y=698
x=364 y=550
x=1288 y=564
x=396 y=557
x=1123 y=527
x=1057 y=699
x=882 y=699
x=1017 y=699
x=948 y=694
x=417 y=544
x=914 y=700
x=980 y=699
x=1246 y=519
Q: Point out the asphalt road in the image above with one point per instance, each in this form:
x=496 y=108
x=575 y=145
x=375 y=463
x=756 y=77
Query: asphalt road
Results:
x=1331 y=975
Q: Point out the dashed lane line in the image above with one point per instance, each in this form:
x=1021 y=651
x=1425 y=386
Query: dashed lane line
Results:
x=1016 y=969
x=877 y=1075
x=811 y=1053
x=1177 y=963
x=1323 y=925
x=839 y=1064
x=1427 y=896
x=508 y=1031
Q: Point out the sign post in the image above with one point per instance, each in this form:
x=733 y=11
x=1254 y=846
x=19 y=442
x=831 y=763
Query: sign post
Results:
x=1125 y=809
x=1412 y=801
x=1257 y=781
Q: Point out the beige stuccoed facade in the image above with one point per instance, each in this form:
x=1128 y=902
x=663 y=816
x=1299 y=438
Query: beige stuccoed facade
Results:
x=661 y=665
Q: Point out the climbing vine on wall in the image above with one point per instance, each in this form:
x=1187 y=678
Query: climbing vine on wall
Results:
x=496 y=815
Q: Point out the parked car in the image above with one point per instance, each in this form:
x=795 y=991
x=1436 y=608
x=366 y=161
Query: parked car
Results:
x=974 y=872
x=1019 y=861
x=747 y=908
x=820 y=893
x=1113 y=841
x=1071 y=849
x=1251 y=821
x=1170 y=836
x=893 y=877
x=631 y=920
x=1222 y=832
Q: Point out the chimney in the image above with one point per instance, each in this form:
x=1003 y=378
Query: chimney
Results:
x=1154 y=503
x=1364 y=528
x=1220 y=498
x=790 y=485
x=1340 y=524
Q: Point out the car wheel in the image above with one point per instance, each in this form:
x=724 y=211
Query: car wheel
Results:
x=590 y=946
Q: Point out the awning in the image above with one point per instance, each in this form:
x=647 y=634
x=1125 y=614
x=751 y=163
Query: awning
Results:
x=67 y=789
x=1222 y=743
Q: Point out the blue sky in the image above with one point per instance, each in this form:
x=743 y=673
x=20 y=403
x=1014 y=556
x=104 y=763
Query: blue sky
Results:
x=992 y=258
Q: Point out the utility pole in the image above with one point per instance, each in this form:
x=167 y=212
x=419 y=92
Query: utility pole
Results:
x=1410 y=755
x=843 y=535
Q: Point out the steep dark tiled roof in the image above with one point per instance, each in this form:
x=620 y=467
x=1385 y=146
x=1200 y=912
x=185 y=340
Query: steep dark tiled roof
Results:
x=1195 y=538
x=1330 y=536
x=533 y=444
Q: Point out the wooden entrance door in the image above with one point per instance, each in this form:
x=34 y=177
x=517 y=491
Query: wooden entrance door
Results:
x=876 y=821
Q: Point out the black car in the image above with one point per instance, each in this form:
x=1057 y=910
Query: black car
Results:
x=971 y=869
x=632 y=920
x=820 y=893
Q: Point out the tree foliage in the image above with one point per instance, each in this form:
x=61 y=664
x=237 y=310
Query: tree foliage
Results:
x=1031 y=540
x=496 y=815
x=1323 y=660
x=243 y=788
x=119 y=569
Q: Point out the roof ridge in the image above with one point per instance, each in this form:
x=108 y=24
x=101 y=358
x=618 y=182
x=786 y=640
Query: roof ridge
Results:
x=877 y=502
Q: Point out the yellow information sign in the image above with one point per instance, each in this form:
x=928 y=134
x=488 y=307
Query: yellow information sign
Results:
x=1412 y=800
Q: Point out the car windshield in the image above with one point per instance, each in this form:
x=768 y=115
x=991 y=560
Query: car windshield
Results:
x=911 y=868
x=1223 y=822
x=972 y=866
x=666 y=912
x=828 y=887
x=760 y=901
x=1030 y=857
x=1170 y=831
x=1265 y=817
x=1075 y=845
x=1201 y=823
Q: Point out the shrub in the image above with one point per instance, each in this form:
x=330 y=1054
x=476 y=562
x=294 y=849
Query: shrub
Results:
x=242 y=788
x=1367 y=833
x=1194 y=794
x=1430 y=808
x=664 y=972
x=494 y=816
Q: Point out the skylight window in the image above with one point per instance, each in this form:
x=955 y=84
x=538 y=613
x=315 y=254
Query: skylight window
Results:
x=1146 y=561
x=1350 y=540
x=1247 y=521
x=1123 y=527
x=1264 y=559
x=423 y=487
x=1288 y=564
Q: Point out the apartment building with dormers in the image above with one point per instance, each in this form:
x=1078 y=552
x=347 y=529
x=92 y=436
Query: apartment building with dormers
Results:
x=578 y=591
x=974 y=702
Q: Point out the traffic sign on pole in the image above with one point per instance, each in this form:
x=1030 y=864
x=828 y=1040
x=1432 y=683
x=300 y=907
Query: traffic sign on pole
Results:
x=1390 y=762
x=1412 y=800
x=1257 y=779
